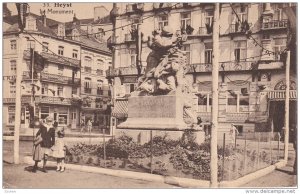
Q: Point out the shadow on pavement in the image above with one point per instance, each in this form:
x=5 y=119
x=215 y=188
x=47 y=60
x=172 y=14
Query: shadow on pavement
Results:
x=285 y=171
x=29 y=168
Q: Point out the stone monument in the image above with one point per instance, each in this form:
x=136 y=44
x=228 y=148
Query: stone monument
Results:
x=163 y=99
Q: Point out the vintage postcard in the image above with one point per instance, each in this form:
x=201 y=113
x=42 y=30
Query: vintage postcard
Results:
x=150 y=95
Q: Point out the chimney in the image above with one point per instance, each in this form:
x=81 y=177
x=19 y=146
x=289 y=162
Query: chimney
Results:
x=43 y=17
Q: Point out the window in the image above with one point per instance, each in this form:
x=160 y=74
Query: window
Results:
x=208 y=53
x=87 y=82
x=60 y=91
x=61 y=50
x=44 y=89
x=185 y=20
x=241 y=12
x=31 y=24
x=13 y=45
x=45 y=110
x=133 y=56
x=63 y=118
x=100 y=34
x=30 y=44
x=187 y=50
x=60 y=70
x=88 y=61
x=74 y=90
x=45 y=46
x=99 y=72
x=204 y=103
x=162 y=21
x=237 y=102
x=61 y=30
x=99 y=87
x=11 y=115
x=46 y=66
x=129 y=88
x=88 y=64
x=88 y=69
x=209 y=16
x=13 y=67
x=73 y=115
x=240 y=50
x=279 y=45
x=75 y=54
x=75 y=35
x=12 y=89
x=279 y=14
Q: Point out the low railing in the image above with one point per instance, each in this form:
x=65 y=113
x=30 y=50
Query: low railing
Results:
x=239 y=28
x=54 y=100
x=59 y=78
x=123 y=71
x=275 y=24
x=55 y=59
x=204 y=31
x=88 y=90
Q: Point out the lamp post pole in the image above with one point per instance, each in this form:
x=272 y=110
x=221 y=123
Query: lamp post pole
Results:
x=215 y=101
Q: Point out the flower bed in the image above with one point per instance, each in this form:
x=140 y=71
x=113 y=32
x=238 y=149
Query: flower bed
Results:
x=181 y=158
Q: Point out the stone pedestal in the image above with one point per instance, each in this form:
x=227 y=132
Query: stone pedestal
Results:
x=163 y=112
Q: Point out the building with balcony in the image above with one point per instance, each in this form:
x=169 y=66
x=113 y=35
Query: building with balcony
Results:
x=251 y=79
x=61 y=50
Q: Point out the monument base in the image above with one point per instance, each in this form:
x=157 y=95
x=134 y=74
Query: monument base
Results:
x=163 y=112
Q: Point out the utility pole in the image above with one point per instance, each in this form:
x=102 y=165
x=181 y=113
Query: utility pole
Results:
x=287 y=107
x=215 y=101
x=138 y=49
x=18 y=103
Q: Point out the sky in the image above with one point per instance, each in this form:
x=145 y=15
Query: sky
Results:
x=82 y=10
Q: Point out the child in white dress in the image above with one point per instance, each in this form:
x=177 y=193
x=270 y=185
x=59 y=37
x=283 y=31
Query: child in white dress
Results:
x=59 y=150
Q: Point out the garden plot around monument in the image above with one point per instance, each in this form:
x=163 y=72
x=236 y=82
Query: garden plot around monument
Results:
x=179 y=158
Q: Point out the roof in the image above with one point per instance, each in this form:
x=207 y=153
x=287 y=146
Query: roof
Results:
x=50 y=30
x=92 y=42
x=104 y=20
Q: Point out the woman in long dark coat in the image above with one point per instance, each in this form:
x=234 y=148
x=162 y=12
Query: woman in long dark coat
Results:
x=47 y=133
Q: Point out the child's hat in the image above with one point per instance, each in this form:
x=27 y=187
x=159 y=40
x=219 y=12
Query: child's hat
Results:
x=61 y=132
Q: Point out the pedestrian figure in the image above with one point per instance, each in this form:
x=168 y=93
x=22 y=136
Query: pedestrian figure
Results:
x=82 y=125
x=47 y=133
x=59 y=150
x=89 y=125
x=233 y=133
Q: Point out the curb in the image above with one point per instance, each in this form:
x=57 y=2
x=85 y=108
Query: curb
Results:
x=182 y=182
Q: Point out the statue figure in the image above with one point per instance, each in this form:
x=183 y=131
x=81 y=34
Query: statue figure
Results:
x=165 y=64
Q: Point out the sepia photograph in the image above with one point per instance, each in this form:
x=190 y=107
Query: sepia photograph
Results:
x=150 y=95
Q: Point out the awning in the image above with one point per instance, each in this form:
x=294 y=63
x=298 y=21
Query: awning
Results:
x=120 y=109
x=279 y=95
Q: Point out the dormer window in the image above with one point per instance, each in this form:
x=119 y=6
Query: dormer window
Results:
x=75 y=35
x=31 y=23
x=61 y=30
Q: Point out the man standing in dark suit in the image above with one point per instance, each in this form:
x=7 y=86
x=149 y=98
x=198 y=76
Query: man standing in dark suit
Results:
x=47 y=133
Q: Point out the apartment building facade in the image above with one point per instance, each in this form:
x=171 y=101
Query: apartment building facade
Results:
x=252 y=72
x=58 y=47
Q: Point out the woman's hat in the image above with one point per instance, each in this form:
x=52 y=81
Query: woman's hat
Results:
x=49 y=119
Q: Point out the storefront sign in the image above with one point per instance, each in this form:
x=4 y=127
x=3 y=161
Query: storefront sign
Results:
x=130 y=79
x=9 y=78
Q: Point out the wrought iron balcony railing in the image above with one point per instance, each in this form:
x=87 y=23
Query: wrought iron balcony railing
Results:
x=55 y=59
